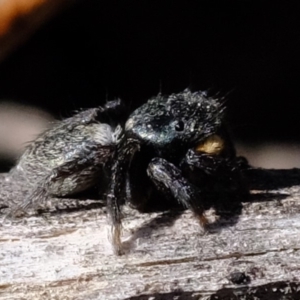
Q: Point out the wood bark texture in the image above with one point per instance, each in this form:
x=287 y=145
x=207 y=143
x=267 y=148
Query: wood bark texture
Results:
x=251 y=250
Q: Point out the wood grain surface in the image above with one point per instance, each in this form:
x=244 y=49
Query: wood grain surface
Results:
x=65 y=253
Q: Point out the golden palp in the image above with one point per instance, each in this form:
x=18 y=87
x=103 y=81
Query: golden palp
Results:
x=212 y=145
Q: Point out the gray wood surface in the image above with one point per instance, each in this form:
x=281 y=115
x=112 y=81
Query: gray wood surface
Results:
x=66 y=253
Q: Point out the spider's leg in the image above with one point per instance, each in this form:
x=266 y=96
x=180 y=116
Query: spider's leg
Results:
x=35 y=199
x=114 y=205
x=227 y=175
x=168 y=178
x=117 y=188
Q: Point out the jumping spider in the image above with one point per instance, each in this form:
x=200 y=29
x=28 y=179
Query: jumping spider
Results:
x=173 y=147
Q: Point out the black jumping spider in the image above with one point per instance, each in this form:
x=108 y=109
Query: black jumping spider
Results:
x=173 y=147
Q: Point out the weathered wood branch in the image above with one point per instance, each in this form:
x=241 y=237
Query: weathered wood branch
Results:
x=68 y=255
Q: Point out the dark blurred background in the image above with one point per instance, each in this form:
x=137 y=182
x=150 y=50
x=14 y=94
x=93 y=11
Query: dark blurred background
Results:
x=95 y=50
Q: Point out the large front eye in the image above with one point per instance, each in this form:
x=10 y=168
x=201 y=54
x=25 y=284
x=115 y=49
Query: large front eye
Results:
x=179 y=126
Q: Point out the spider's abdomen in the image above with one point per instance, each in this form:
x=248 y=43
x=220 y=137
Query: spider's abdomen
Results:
x=77 y=150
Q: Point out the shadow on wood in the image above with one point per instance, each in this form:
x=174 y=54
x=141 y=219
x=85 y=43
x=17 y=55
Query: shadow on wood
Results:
x=67 y=254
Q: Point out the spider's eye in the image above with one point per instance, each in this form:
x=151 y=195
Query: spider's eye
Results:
x=212 y=145
x=179 y=126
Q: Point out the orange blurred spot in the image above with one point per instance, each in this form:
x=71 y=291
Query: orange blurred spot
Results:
x=13 y=10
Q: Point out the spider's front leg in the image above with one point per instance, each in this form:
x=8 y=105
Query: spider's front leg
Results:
x=169 y=179
x=117 y=187
x=222 y=176
x=201 y=177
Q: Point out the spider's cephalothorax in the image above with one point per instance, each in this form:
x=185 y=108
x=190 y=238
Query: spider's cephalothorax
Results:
x=171 y=148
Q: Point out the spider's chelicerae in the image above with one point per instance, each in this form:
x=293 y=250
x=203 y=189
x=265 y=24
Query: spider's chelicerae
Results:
x=172 y=147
